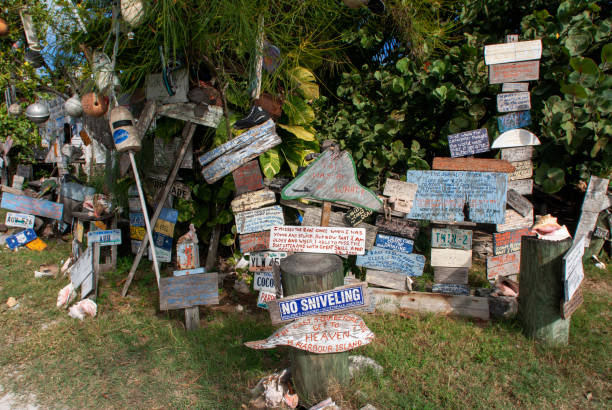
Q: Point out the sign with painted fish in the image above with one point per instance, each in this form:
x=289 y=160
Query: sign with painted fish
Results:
x=513 y=120
x=410 y=264
x=257 y=220
x=468 y=142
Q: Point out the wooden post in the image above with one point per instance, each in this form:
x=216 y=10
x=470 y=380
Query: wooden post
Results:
x=192 y=318
x=313 y=374
x=325 y=213
x=541 y=290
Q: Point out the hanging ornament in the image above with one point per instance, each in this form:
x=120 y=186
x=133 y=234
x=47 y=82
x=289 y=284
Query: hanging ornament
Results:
x=73 y=106
x=133 y=12
x=103 y=69
x=37 y=112
x=34 y=58
x=94 y=104
x=4 y=28
x=131 y=35
x=125 y=134
x=15 y=109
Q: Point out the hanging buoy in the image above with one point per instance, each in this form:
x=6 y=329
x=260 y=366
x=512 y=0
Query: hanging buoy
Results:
x=94 y=105
x=133 y=12
x=73 y=106
x=4 y=28
x=37 y=112
x=15 y=109
x=124 y=132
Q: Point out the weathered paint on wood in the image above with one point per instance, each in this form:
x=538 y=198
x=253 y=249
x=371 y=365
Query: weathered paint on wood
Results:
x=451 y=258
x=340 y=241
x=521 y=186
x=568 y=308
x=263 y=298
x=519 y=203
x=165 y=153
x=595 y=195
x=186 y=112
x=340 y=299
x=503 y=265
x=192 y=271
x=394 y=243
x=452 y=275
x=320 y=334
x=180 y=292
x=513 y=52
x=187 y=255
x=518 y=153
x=16 y=220
x=514 y=221
x=391 y=280
x=82 y=268
x=76 y=191
x=510 y=241
x=399 y=227
x=401 y=194
x=312 y=217
x=248 y=177
x=468 y=142
x=514 y=72
x=264 y=281
x=332 y=177
x=573 y=271
x=387 y=260
x=514 y=87
x=256 y=241
x=586 y=225
x=155 y=89
x=515 y=138
x=262 y=261
x=104 y=238
x=451 y=238
x=513 y=120
x=472 y=164
x=356 y=215
x=262 y=219
x=33 y=206
x=276 y=184
x=20 y=238
x=181 y=190
x=88 y=286
x=253 y=200
x=508 y=102
x=450 y=289
x=442 y=195
x=523 y=170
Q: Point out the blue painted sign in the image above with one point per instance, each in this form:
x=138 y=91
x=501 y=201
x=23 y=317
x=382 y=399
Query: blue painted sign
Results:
x=468 y=143
x=184 y=272
x=394 y=243
x=34 y=206
x=451 y=289
x=410 y=264
x=105 y=238
x=514 y=120
x=21 y=238
x=180 y=292
x=443 y=196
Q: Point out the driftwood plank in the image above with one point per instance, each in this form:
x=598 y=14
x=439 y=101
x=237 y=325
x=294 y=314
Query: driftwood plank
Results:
x=396 y=226
x=253 y=200
x=400 y=193
x=33 y=206
x=395 y=243
x=519 y=203
x=389 y=280
x=256 y=241
x=356 y=215
x=451 y=289
x=257 y=220
x=521 y=186
x=513 y=72
x=513 y=52
x=180 y=292
x=515 y=221
x=472 y=164
x=312 y=217
x=503 y=265
x=186 y=112
x=318 y=239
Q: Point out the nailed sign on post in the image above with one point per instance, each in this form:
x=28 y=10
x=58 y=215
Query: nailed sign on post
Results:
x=256 y=241
x=522 y=170
x=318 y=239
x=510 y=241
x=248 y=177
x=257 y=220
x=512 y=72
x=508 y=102
x=19 y=220
x=312 y=217
x=515 y=221
x=513 y=120
x=514 y=87
x=180 y=292
x=517 y=153
x=33 y=206
x=356 y=215
x=410 y=264
x=451 y=238
x=519 y=203
x=522 y=186
x=468 y=143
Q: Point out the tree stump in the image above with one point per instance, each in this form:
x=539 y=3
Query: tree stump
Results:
x=313 y=374
x=541 y=290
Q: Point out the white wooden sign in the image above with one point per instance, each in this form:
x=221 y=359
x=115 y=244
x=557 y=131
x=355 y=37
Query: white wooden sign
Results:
x=16 y=220
x=318 y=239
x=401 y=194
x=512 y=52
x=507 y=102
x=514 y=87
x=451 y=258
x=258 y=220
x=517 y=137
x=522 y=170
x=573 y=271
x=82 y=268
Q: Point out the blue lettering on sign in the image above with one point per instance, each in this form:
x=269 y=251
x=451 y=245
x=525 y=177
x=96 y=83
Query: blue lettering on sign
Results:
x=120 y=135
x=321 y=303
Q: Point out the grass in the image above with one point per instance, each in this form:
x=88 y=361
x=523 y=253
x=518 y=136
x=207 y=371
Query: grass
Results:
x=133 y=356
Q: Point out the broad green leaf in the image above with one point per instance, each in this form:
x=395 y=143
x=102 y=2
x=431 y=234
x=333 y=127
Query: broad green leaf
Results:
x=298 y=111
x=606 y=53
x=599 y=145
x=477 y=111
x=227 y=240
x=584 y=65
x=403 y=66
x=270 y=162
x=306 y=82
x=575 y=90
x=299 y=131
x=577 y=44
x=550 y=179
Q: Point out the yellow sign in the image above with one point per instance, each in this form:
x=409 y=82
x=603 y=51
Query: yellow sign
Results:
x=164 y=227
x=137 y=232
x=36 y=245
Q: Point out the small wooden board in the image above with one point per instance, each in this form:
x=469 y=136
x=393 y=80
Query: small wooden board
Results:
x=515 y=138
x=387 y=260
x=180 y=292
x=522 y=170
x=318 y=239
x=397 y=226
x=510 y=241
x=514 y=72
x=472 y=164
x=391 y=280
x=514 y=87
x=458 y=276
x=256 y=241
x=568 y=308
x=515 y=221
x=521 y=186
x=513 y=52
x=519 y=203
x=248 y=177
x=451 y=258
x=312 y=217
x=186 y=112
x=253 y=200
x=257 y=220
x=451 y=289
x=356 y=215
x=401 y=194
x=452 y=238
x=518 y=153
x=508 y=102
x=468 y=142
x=395 y=243
x=503 y=265
x=513 y=120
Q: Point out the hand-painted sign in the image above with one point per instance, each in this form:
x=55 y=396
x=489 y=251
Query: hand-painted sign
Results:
x=522 y=170
x=595 y=195
x=180 y=292
x=442 y=195
x=410 y=264
x=511 y=52
x=515 y=138
x=453 y=275
x=512 y=72
x=510 y=241
x=391 y=280
x=312 y=217
x=514 y=120
x=394 y=243
x=76 y=191
x=163 y=234
x=356 y=215
x=184 y=272
x=248 y=177
x=178 y=189
x=33 y=206
x=256 y=241
x=522 y=186
x=332 y=177
x=104 y=238
x=468 y=142
x=264 y=297
x=514 y=221
x=568 y=308
x=187 y=255
x=451 y=258
x=472 y=164
x=503 y=265
x=82 y=268
x=396 y=226
x=253 y=200
x=450 y=289
x=262 y=261
x=21 y=238
x=517 y=153
x=264 y=280
x=320 y=334
x=519 y=203
x=514 y=87
x=337 y=300
x=257 y=220
x=573 y=271
x=451 y=238
x=341 y=241
x=400 y=193
x=508 y=102
x=19 y=220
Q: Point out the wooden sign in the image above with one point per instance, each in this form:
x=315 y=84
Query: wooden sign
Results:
x=88 y=286
x=510 y=241
x=568 y=308
x=450 y=289
x=410 y=264
x=253 y=200
x=511 y=52
x=453 y=275
x=190 y=112
x=320 y=334
x=332 y=177
x=515 y=138
x=472 y=164
x=262 y=261
x=340 y=299
x=515 y=221
x=521 y=186
x=165 y=153
x=523 y=170
x=248 y=177
x=33 y=206
x=442 y=195
x=256 y=241
x=391 y=280
x=156 y=89
x=104 y=238
x=508 y=102
x=18 y=181
x=503 y=265
x=340 y=241
x=468 y=142
x=451 y=258
x=595 y=195
x=19 y=220
x=312 y=217
x=262 y=219
x=192 y=271
x=181 y=190
x=397 y=226
x=402 y=194
x=573 y=271
x=513 y=72
x=514 y=87
x=394 y=243
x=264 y=297
x=519 y=203
x=82 y=268
x=264 y=281
x=187 y=255
x=180 y=292
x=452 y=238
x=238 y=151
x=25 y=171
x=21 y=238
x=513 y=120
x=356 y=215
x=518 y=153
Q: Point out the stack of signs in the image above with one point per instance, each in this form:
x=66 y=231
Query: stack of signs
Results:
x=506 y=259
x=261 y=264
x=137 y=223
x=451 y=258
x=596 y=199
x=163 y=233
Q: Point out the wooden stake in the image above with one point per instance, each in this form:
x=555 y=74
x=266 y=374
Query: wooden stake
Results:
x=192 y=318
x=325 y=213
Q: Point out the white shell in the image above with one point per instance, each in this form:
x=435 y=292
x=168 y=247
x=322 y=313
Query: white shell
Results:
x=15 y=109
x=37 y=112
x=515 y=138
x=133 y=12
x=73 y=106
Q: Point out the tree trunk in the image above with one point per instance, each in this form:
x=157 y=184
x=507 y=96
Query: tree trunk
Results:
x=541 y=290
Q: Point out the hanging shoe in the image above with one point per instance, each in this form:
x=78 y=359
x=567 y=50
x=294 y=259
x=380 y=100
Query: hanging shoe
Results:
x=376 y=6
x=256 y=116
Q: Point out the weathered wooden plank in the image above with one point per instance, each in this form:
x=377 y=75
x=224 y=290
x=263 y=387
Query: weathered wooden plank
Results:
x=513 y=52
x=387 y=260
x=16 y=220
x=514 y=87
x=451 y=258
x=523 y=170
x=391 y=280
x=332 y=177
x=33 y=206
x=573 y=271
x=516 y=138
x=164 y=153
x=451 y=289
x=507 y=102
x=518 y=153
x=514 y=72
x=104 y=237
x=340 y=299
x=312 y=217
x=452 y=275
x=513 y=120
x=276 y=184
x=394 y=243
x=12 y=190
x=356 y=215
x=82 y=268
x=341 y=241
x=472 y=164
x=155 y=89
x=521 y=186
x=510 y=241
x=177 y=189
x=180 y=292
x=262 y=261
x=442 y=195
x=253 y=200
x=387 y=300
x=468 y=142
x=400 y=193
x=399 y=227
x=519 y=203
x=568 y=308
x=514 y=221
x=248 y=177
x=261 y=219
x=503 y=265
x=211 y=117
x=76 y=191
x=451 y=238
x=586 y=225
x=596 y=194
x=192 y=271
x=256 y=241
